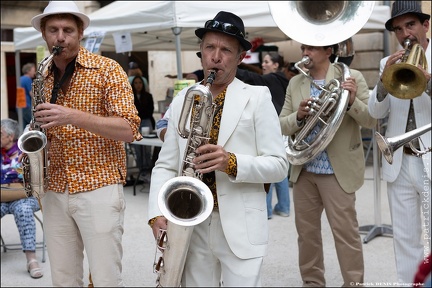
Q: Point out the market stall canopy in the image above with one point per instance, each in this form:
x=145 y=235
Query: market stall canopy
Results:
x=152 y=23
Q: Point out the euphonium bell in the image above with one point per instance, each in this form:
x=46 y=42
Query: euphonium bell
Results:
x=320 y=23
x=405 y=80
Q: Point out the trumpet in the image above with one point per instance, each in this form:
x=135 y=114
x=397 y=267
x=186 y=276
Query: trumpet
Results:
x=389 y=145
x=405 y=80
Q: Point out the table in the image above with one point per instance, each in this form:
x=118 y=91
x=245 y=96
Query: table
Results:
x=148 y=142
x=154 y=142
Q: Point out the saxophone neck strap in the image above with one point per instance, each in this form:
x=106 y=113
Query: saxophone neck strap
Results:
x=58 y=84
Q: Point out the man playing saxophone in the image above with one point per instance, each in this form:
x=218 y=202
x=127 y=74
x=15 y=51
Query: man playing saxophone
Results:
x=408 y=177
x=245 y=151
x=88 y=114
x=329 y=180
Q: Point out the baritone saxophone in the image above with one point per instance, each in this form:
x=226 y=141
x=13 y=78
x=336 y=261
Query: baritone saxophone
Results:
x=185 y=201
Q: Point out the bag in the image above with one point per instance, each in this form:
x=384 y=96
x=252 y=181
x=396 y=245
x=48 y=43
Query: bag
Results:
x=12 y=192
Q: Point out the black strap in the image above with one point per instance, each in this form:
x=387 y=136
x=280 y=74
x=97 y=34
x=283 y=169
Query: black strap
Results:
x=58 y=84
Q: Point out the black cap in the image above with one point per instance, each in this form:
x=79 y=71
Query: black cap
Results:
x=404 y=7
x=133 y=65
x=228 y=23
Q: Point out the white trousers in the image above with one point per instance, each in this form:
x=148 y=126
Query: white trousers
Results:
x=92 y=221
x=211 y=263
x=409 y=200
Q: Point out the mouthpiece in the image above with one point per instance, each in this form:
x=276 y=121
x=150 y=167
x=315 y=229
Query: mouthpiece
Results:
x=56 y=50
x=211 y=77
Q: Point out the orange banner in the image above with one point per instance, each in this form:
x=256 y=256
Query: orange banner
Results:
x=20 y=98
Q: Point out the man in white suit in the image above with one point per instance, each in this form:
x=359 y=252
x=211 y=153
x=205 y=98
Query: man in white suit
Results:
x=408 y=177
x=245 y=150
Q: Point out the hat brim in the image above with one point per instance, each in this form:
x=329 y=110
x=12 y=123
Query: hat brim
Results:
x=422 y=17
x=37 y=19
x=243 y=42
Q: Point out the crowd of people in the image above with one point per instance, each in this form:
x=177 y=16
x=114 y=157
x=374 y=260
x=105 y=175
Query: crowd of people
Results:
x=84 y=208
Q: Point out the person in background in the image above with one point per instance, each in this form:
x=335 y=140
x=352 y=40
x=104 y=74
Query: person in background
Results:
x=290 y=70
x=133 y=71
x=197 y=75
x=144 y=104
x=329 y=181
x=244 y=152
x=408 y=177
x=87 y=119
x=162 y=123
x=423 y=276
x=274 y=78
x=14 y=200
x=26 y=80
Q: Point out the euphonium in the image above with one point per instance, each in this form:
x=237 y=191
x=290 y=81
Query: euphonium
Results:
x=389 y=145
x=185 y=201
x=405 y=80
x=323 y=23
x=33 y=142
x=328 y=110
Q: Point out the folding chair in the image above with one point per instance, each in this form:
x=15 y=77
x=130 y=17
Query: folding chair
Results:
x=17 y=246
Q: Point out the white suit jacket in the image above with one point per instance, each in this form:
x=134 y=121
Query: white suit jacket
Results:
x=397 y=111
x=250 y=129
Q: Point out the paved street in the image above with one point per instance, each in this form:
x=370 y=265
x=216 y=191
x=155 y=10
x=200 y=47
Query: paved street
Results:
x=280 y=267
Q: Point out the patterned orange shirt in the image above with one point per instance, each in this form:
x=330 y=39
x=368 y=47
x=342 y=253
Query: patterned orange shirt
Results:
x=210 y=178
x=79 y=159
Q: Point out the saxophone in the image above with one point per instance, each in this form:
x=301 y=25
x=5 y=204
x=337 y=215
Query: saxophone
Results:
x=185 y=201
x=33 y=141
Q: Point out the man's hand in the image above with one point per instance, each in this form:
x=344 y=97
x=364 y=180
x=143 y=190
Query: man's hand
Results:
x=210 y=158
x=51 y=115
x=160 y=223
x=350 y=85
x=393 y=59
x=304 y=109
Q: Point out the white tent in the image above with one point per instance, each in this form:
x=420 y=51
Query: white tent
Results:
x=170 y=25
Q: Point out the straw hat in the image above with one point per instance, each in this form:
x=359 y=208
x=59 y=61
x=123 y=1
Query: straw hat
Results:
x=60 y=7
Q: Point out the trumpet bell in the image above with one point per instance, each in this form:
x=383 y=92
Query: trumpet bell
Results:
x=405 y=80
x=389 y=145
x=385 y=147
x=322 y=23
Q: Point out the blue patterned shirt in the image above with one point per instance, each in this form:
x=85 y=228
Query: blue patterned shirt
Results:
x=321 y=163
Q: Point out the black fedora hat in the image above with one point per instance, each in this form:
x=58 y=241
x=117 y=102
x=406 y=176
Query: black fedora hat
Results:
x=228 y=23
x=404 y=7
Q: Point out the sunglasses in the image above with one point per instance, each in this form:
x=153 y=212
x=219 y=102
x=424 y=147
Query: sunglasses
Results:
x=225 y=27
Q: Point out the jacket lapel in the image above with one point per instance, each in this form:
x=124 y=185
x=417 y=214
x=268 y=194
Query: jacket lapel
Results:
x=236 y=98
